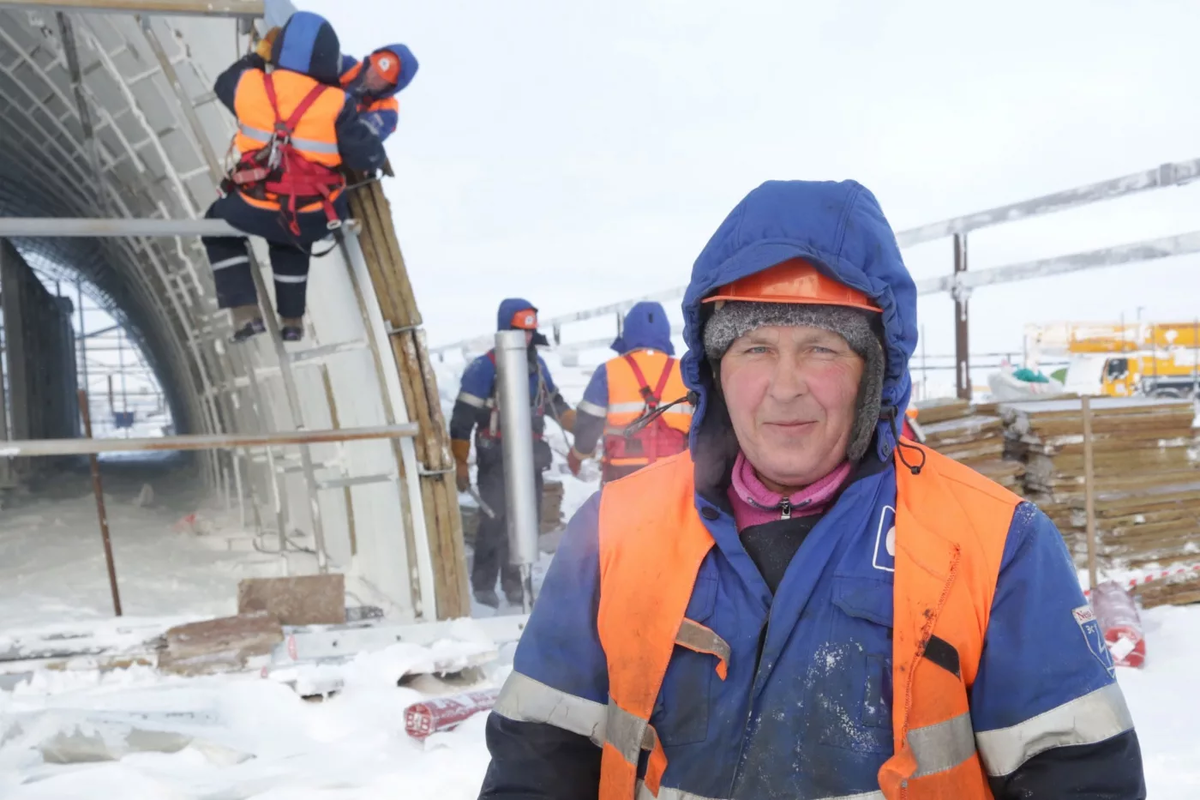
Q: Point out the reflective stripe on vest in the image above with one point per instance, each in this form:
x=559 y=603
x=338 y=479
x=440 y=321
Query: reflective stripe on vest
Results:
x=302 y=144
x=669 y=793
x=951 y=526
x=315 y=135
x=625 y=401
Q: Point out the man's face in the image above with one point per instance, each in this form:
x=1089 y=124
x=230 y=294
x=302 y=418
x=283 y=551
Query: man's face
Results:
x=792 y=394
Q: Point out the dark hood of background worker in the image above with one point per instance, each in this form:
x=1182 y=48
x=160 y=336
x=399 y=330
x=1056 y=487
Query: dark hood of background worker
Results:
x=803 y=605
x=375 y=82
x=287 y=189
x=625 y=390
x=475 y=410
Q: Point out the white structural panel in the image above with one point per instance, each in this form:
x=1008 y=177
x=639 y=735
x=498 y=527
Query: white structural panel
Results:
x=158 y=140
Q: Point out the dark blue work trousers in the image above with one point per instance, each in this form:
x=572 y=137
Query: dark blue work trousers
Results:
x=289 y=253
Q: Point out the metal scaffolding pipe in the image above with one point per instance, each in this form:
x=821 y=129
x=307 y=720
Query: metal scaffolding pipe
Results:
x=516 y=422
x=239 y=9
x=81 y=447
x=75 y=227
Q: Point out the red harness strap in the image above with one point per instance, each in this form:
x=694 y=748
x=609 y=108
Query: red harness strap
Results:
x=656 y=440
x=299 y=180
x=652 y=398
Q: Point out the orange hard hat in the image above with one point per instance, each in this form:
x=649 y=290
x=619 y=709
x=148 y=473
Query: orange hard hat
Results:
x=525 y=320
x=793 y=281
x=386 y=66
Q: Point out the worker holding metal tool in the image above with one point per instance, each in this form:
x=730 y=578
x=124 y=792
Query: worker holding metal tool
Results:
x=296 y=130
x=475 y=410
x=623 y=395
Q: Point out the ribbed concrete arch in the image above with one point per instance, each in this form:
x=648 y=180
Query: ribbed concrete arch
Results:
x=112 y=115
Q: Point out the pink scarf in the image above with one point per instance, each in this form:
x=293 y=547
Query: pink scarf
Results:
x=754 y=504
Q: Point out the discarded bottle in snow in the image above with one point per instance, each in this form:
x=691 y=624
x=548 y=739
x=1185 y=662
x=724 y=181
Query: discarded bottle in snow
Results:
x=445 y=713
x=1119 y=623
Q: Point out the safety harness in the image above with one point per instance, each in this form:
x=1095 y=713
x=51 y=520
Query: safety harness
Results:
x=649 y=437
x=278 y=172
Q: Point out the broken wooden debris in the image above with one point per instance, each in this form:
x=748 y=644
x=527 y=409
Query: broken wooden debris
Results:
x=219 y=645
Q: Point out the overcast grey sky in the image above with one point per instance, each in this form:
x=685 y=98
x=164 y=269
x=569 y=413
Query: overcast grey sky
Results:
x=582 y=152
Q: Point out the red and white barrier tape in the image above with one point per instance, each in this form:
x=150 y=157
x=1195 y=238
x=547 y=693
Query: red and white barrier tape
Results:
x=1155 y=576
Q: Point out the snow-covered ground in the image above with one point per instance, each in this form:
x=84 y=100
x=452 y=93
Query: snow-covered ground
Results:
x=234 y=737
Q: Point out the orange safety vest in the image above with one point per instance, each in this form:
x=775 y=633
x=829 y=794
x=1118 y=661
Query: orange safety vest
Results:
x=630 y=396
x=949 y=543
x=298 y=114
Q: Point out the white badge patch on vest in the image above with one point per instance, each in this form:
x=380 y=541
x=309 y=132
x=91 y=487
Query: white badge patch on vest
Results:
x=885 y=541
x=1085 y=618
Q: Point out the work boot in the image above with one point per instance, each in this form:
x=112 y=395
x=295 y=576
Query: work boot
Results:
x=487 y=597
x=291 y=329
x=515 y=597
x=247 y=322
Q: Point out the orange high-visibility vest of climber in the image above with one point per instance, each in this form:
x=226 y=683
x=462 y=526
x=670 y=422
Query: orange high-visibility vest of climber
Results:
x=805 y=605
x=636 y=401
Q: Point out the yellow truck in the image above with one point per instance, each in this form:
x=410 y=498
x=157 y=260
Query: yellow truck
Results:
x=1120 y=360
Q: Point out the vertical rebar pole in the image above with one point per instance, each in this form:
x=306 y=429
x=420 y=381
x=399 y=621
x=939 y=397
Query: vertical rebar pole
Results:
x=962 y=364
x=1089 y=489
x=82 y=337
x=516 y=421
x=98 y=489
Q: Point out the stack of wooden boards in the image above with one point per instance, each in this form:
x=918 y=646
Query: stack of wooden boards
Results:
x=973 y=435
x=1146 y=484
x=1146 y=468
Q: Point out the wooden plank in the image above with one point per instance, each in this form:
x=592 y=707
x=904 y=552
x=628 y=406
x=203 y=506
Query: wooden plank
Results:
x=419 y=385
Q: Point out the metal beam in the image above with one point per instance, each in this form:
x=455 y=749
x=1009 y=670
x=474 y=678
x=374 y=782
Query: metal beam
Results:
x=1173 y=174
x=240 y=9
x=74 y=227
x=80 y=447
x=1135 y=252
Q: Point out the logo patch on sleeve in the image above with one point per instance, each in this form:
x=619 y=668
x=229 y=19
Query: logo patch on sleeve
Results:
x=885 y=541
x=1085 y=618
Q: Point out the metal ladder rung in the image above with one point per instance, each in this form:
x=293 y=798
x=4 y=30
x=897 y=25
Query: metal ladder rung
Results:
x=322 y=351
x=362 y=480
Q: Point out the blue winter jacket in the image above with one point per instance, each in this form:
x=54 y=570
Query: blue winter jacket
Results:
x=308 y=44
x=382 y=120
x=805 y=711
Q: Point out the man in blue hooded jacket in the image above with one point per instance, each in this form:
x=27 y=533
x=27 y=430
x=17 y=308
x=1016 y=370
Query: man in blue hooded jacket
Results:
x=625 y=391
x=824 y=614
x=475 y=410
x=375 y=81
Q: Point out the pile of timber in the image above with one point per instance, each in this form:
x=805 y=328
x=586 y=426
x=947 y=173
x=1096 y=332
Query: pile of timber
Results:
x=419 y=385
x=972 y=434
x=1146 y=481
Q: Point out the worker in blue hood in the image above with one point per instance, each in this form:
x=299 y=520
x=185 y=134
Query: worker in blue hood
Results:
x=475 y=411
x=628 y=389
x=288 y=189
x=804 y=605
x=375 y=81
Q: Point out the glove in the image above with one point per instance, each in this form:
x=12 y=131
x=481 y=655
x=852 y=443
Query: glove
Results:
x=461 y=449
x=266 y=43
x=575 y=461
x=567 y=420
